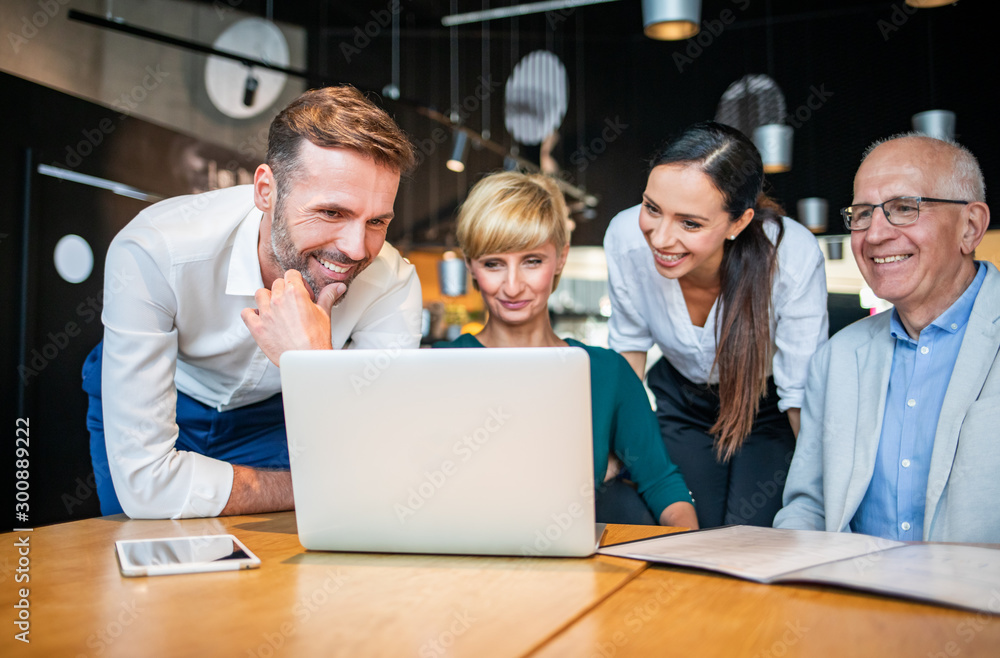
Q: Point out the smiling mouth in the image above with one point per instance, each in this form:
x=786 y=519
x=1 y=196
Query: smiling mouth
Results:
x=890 y=259
x=668 y=259
x=333 y=267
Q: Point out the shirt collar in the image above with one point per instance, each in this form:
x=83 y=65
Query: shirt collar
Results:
x=244 y=264
x=954 y=318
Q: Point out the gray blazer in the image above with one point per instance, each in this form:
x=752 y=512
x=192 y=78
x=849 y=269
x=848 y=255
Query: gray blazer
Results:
x=842 y=421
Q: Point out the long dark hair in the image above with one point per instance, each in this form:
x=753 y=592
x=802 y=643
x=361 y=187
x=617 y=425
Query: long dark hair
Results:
x=743 y=333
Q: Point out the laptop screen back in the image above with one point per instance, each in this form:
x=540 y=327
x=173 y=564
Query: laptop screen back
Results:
x=471 y=451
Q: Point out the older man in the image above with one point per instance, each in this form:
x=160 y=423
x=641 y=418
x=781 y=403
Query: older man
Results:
x=900 y=434
x=191 y=420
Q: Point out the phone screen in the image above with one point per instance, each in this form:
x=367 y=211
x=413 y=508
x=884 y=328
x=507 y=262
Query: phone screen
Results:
x=184 y=555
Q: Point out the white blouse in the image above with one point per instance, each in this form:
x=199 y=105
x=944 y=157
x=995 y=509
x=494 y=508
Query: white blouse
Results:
x=649 y=308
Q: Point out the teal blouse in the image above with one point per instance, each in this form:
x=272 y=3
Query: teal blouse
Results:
x=624 y=423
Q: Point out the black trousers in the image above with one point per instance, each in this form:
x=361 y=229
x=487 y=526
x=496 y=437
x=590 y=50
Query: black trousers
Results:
x=617 y=501
x=745 y=490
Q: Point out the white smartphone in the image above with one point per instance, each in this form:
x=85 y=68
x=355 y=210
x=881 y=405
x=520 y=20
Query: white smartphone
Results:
x=170 y=555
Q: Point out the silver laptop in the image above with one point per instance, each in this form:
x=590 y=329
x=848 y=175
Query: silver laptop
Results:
x=468 y=451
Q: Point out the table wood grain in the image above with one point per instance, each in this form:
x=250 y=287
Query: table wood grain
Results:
x=680 y=612
x=299 y=603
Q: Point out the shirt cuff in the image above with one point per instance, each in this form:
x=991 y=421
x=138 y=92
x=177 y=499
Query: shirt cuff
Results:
x=211 y=486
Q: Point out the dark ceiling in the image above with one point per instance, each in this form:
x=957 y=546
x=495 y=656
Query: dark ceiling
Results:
x=619 y=18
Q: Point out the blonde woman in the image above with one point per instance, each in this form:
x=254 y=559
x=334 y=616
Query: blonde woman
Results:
x=512 y=230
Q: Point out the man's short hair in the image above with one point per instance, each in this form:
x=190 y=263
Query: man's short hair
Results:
x=967 y=182
x=336 y=117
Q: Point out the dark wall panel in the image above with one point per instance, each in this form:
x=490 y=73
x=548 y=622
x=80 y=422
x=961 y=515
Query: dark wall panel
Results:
x=51 y=324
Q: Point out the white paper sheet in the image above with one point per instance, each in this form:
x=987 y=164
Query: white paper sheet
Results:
x=761 y=554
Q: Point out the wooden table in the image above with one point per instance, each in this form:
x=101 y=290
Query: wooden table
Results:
x=303 y=603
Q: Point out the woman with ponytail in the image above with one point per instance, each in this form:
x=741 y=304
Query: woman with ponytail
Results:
x=734 y=295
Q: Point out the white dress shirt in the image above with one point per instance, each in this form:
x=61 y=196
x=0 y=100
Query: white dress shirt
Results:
x=648 y=308
x=176 y=279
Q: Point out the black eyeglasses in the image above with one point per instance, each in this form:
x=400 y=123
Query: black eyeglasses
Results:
x=901 y=211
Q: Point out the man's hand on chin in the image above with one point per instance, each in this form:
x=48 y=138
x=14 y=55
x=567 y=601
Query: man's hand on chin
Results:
x=287 y=318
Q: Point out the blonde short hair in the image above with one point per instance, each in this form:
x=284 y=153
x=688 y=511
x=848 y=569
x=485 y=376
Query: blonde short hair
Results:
x=510 y=211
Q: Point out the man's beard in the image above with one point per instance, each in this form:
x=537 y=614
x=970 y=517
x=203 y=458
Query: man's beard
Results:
x=288 y=258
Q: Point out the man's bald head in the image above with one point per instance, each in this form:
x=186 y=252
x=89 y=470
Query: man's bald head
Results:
x=957 y=171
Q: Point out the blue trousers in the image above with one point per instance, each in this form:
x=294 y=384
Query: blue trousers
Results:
x=253 y=435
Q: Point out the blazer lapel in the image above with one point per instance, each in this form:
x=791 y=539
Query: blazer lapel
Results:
x=975 y=358
x=874 y=363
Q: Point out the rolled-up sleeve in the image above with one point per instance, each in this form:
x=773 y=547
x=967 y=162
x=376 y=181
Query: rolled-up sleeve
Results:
x=151 y=477
x=801 y=316
x=628 y=331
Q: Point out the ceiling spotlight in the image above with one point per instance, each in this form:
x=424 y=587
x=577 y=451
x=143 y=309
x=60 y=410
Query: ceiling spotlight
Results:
x=927 y=4
x=671 y=20
x=250 y=89
x=456 y=162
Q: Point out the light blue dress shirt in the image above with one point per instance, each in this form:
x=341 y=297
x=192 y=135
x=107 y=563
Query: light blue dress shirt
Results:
x=893 y=506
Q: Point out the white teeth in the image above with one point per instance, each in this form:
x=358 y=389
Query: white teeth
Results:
x=891 y=259
x=670 y=258
x=330 y=266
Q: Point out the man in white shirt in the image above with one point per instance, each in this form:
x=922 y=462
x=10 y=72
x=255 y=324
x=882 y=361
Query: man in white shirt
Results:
x=185 y=407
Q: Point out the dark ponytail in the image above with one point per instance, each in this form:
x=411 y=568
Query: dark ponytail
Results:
x=749 y=263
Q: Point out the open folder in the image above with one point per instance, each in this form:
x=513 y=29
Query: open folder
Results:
x=958 y=575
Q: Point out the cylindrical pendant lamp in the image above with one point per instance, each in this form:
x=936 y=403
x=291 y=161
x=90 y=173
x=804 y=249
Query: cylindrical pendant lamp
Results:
x=928 y=4
x=935 y=123
x=456 y=162
x=774 y=141
x=671 y=20
x=813 y=213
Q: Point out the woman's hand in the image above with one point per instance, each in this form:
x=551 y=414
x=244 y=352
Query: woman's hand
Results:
x=681 y=515
x=614 y=468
